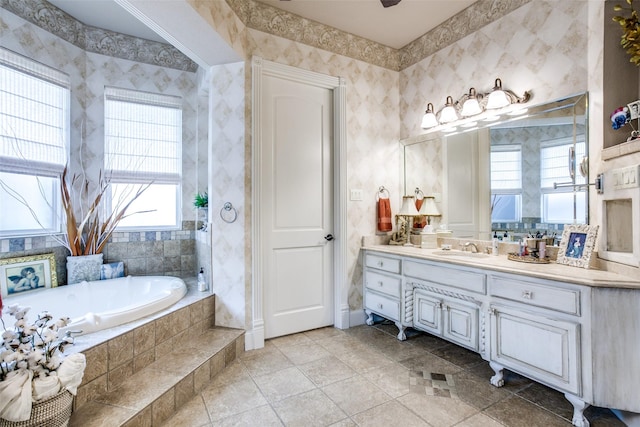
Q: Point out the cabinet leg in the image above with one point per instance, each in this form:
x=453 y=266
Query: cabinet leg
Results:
x=369 y=320
x=579 y=406
x=498 y=379
x=401 y=334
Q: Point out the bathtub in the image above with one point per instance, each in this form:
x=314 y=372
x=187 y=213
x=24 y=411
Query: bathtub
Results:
x=101 y=304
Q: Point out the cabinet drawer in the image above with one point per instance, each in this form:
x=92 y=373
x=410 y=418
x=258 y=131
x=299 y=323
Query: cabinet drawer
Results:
x=546 y=296
x=460 y=279
x=382 y=283
x=384 y=306
x=391 y=265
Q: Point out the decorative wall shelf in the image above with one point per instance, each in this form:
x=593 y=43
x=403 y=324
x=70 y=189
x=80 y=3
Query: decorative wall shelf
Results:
x=621 y=149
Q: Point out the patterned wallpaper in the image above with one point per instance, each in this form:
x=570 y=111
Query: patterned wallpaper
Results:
x=97 y=40
x=540 y=45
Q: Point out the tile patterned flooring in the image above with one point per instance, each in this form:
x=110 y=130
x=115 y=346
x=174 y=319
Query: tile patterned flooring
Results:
x=363 y=376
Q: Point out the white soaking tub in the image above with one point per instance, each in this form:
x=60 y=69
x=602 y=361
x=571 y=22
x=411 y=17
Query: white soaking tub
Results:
x=101 y=304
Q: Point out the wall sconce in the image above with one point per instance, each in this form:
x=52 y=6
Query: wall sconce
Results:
x=500 y=98
x=429 y=119
x=448 y=113
x=408 y=210
x=471 y=107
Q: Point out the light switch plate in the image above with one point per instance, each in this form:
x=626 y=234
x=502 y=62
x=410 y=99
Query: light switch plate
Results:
x=626 y=177
x=356 y=194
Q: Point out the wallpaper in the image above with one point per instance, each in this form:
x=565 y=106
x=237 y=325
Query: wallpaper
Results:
x=97 y=40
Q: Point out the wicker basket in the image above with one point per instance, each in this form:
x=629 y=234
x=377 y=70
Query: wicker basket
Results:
x=52 y=412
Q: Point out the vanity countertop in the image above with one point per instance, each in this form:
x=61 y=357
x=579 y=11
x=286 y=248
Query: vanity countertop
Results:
x=500 y=263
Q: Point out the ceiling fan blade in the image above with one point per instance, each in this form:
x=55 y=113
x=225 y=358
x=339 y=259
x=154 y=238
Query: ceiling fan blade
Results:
x=389 y=3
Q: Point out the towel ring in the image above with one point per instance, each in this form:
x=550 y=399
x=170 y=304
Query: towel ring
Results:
x=228 y=213
x=419 y=194
x=382 y=192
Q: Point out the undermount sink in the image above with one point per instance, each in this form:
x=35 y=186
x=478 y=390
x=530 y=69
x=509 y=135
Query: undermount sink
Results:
x=461 y=254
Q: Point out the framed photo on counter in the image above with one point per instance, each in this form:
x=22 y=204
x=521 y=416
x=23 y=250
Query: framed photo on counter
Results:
x=577 y=244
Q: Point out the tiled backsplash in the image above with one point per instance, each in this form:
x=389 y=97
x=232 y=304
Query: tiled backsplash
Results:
x=170 y=253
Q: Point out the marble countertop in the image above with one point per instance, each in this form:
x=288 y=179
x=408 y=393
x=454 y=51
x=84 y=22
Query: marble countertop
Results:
x=500 y=263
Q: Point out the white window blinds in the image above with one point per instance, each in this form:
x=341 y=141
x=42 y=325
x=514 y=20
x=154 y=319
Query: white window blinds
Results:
x=143 y=136
x=506 y=169
x=34 y=116
x=554 y=164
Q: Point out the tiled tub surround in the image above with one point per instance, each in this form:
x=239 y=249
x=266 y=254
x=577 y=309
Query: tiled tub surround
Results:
x=139 y=373
x=146 y=253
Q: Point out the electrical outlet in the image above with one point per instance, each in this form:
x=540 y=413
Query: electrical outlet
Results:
x=626 y=177
x=356 y=194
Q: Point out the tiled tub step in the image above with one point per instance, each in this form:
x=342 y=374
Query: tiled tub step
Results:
x=151 y=395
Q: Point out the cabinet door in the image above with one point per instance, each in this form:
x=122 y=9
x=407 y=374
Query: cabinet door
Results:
x=537 y=346
x=427 y=313
x=461 y=323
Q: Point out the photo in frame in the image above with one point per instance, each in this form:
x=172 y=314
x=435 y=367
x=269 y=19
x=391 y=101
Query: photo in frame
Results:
x=577 y=244
x=22 y=274
x=112 y=270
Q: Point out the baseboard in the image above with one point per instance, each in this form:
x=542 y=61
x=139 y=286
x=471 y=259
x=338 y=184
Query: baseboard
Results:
x=254 y=339
x=357 y=317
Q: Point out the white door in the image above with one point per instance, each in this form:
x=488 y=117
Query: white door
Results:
x=296 y=200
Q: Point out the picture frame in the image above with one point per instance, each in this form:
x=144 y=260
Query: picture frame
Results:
x=112 y=270
x=634 y=110
x=577 y=244
x=23 y=274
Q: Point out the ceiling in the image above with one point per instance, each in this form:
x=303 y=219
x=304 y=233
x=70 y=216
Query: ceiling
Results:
x=395 y=26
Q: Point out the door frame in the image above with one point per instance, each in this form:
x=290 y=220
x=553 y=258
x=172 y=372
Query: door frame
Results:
x=254 y=337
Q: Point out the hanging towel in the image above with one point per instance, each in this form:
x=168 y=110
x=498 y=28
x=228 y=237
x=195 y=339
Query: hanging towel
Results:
x=384 y=215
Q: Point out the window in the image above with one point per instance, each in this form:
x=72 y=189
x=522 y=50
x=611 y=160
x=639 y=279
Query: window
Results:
x=506 y=184
x=34 y=141
x=554 y=168
x=143 y=144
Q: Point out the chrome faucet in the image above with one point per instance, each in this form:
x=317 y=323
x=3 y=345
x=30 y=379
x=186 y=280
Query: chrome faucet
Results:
x=473 y=246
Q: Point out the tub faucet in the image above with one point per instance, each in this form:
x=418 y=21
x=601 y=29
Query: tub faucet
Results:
x=474 y=247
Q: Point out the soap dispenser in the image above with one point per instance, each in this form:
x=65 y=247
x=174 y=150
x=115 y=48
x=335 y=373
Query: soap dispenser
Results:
x=202 y=283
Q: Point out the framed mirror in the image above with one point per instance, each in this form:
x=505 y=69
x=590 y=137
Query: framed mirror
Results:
x=524 y=174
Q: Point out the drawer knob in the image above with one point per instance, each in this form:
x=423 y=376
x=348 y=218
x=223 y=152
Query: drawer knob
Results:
x=527 y=294
x=381 y=283
x=379 y=306
x=380 y=264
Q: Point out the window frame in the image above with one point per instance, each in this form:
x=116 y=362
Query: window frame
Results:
x=515 y=191
x=49 y=154
x=549 y=190
x=137 y=178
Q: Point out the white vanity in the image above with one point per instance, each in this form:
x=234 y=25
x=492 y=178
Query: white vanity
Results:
x=569 y=328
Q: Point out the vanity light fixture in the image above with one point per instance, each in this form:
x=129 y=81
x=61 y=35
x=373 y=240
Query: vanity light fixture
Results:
x=471 y=106
x=500 y=98
x=448 y=113
x=429 y=119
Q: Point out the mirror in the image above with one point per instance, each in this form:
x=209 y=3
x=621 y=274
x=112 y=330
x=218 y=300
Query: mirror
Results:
x=519 y=174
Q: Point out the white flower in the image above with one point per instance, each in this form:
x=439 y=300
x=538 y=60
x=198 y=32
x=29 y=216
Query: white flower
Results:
x=49 y=336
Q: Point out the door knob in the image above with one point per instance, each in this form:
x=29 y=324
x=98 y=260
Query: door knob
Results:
x=328 y=237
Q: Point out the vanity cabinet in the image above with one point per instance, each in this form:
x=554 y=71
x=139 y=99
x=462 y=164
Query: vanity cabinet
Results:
x=535 y=330
x=446 y=301
x=451 y=319
x=382 y=289
x=568 y=328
